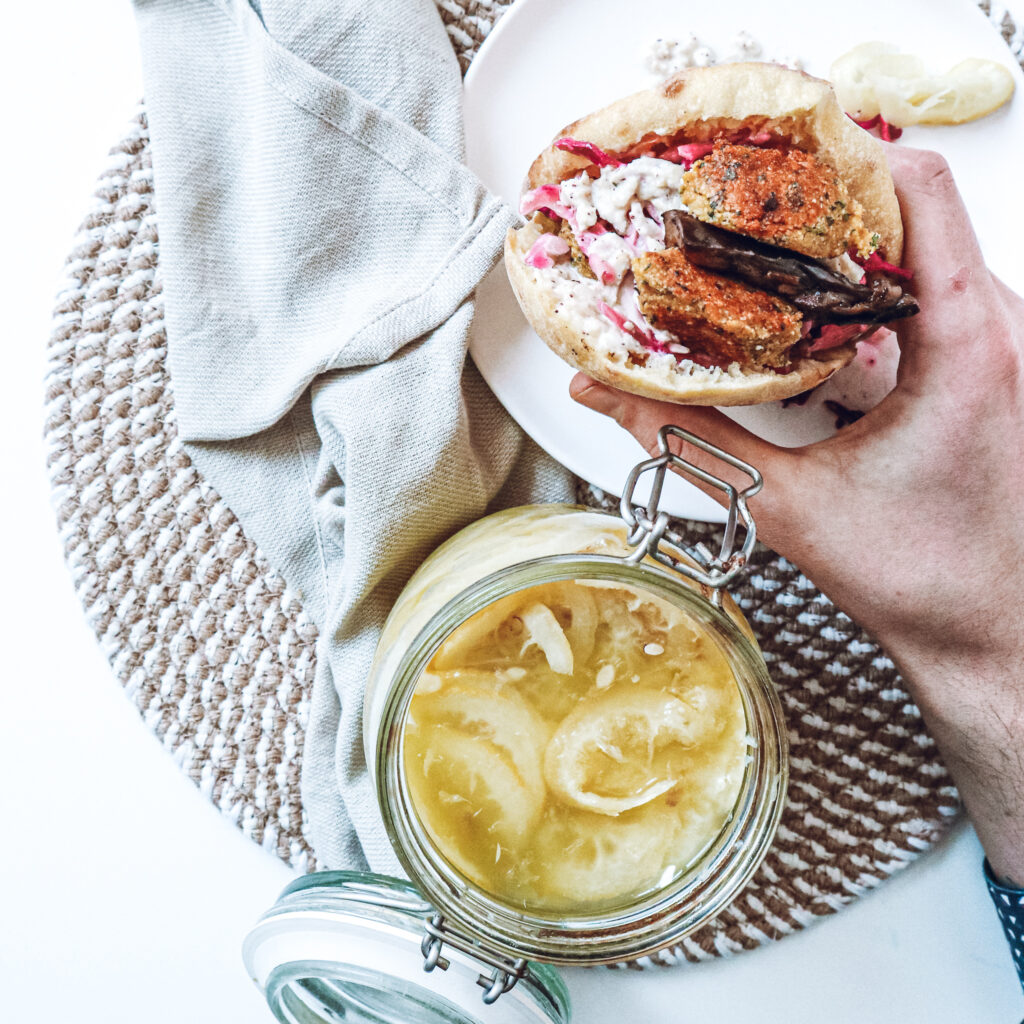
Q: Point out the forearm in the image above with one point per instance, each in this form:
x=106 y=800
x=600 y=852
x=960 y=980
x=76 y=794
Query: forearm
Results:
x=967 y=678
x=975 y=712
x=958 y=639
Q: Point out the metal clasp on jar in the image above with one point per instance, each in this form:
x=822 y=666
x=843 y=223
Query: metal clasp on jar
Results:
x=505 y=971
x=649 y=527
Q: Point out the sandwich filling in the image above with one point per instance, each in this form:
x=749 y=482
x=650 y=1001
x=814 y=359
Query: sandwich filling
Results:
x=743 y=253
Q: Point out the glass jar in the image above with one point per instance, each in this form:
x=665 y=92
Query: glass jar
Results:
x=347 y=946
x=506 y=554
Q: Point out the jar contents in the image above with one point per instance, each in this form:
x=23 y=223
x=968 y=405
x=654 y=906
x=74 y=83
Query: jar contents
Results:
x=575 y=744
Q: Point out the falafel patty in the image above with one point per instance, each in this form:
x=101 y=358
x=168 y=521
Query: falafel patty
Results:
x=782 y=196
x=721 y=319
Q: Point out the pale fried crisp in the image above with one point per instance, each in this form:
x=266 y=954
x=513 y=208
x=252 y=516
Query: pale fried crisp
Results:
x=579 y=261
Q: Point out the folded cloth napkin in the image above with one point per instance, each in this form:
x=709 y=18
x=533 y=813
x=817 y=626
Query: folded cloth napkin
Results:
x=320 y=241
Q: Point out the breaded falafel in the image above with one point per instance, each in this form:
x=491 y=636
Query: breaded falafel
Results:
x=713 y=315
x=783 y=196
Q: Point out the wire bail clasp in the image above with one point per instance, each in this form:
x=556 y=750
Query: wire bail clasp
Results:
x=648 y=527
x=505 y=972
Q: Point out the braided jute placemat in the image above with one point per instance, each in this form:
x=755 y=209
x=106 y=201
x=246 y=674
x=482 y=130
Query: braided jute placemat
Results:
x=218 y=655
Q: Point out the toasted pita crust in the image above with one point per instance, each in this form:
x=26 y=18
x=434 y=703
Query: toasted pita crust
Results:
x=684 y=384
x=702 y=103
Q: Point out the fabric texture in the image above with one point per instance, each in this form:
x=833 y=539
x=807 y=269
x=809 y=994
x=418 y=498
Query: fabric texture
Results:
x=321 y=240
x=1010 y=908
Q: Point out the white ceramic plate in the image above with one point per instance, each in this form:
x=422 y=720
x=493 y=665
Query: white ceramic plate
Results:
x=548 y=62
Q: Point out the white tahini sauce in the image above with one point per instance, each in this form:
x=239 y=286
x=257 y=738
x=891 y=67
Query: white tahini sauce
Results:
x=631 y=198
x=619 y=194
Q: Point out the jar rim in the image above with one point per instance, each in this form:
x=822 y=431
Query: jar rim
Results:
x=625 y=930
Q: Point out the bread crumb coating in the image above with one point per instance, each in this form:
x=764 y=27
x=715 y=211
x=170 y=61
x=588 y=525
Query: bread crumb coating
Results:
x=714 y=316
x=784 y=196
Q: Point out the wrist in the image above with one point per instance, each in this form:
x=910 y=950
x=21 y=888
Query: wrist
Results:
x=1001 y=880
x=977 y=722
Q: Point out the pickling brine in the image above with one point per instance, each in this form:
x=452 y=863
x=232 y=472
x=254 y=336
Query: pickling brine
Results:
x=575 y=744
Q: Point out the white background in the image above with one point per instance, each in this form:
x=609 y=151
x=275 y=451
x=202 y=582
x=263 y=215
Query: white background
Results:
x=125 y=894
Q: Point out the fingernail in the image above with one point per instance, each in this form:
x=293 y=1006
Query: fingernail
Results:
x=593 y=395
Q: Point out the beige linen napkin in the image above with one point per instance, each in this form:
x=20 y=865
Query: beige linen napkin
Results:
x=320 y=243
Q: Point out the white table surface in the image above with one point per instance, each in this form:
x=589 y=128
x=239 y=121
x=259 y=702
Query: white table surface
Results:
x=126 y=894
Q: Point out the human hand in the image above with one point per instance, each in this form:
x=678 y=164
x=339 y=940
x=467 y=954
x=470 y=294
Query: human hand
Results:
x=912 y=518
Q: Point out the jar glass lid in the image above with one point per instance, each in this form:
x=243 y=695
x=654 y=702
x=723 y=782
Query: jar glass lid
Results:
x=352 y=947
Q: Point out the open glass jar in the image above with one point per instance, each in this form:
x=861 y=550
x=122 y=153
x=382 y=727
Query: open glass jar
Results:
x=578 y=754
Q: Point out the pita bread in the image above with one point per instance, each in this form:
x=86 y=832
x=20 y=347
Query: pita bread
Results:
x=697 y=105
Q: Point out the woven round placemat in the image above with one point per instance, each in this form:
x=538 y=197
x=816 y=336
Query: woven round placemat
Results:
x=218 y=655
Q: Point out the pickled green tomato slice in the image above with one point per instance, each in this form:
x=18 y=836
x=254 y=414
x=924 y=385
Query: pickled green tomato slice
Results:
x=588 y=857
x=875 y=78
x=474 y=635
x=501 y=719
x=543 y=631
x=562 y=627
x=576 y=611
x=604 y=755
x=466 y=790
